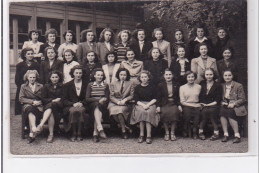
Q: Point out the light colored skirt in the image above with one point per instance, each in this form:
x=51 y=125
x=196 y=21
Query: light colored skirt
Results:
x=116 y=109
x=140 y=114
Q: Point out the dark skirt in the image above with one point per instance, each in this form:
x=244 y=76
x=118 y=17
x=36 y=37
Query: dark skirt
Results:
x=34 y=110
x=17 y=104
x=56 y=108
x=75 y=115
x=170 y=112
x=140 y=114
x=228 y=113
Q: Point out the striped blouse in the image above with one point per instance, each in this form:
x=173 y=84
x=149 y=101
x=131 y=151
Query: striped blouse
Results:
x=96 y=91
x=120 y=50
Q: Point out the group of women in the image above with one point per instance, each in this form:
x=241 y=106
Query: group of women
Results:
x=134 y=82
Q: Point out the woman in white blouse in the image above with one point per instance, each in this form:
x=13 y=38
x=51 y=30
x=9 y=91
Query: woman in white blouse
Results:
x=111 y=67
x=69 y=58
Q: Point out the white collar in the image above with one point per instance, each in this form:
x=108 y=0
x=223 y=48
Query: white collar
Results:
x=101 y=84
x=202 y=40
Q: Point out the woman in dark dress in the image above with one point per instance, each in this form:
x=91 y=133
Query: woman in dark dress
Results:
x=90 y=62
x=30 y=98
x=227 y=63
x=168 y=104
x=200 y=37
x=144 y=111
x=74 y=111
x=180 y=65
x=210 y=97
x=21 y=68
x=156 y=65
x=50 y=36
x=179 y=42
x=51 y=97
x=51 y=63
x=232 y=105
x=97 y=97
x=223 y=41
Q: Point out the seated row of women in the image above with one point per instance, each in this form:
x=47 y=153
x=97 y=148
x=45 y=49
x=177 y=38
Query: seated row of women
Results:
x=144 y=103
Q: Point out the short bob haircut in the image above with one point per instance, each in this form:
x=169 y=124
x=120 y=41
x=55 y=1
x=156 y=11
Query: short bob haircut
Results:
x=227 y=70
x=111 y=53
x=135 y=33
x=120 y=70
x=210 y=69
x=167 y=69
x=34 y=31
x=102 y=35
x=58 y=73
x=176 y=30
x=145 y=72
x=84 y=34
x=85 y=59
x=157 y=29
x=128 y=50
x=25 y=77
x=72 y=53
x=24 y=51
x=222 y=28
x=47 y=48
x=69 y=31
x=228 y=48
x=92 y=76
x=124 y=31
x=203 y=44
x=50 y=31
x=190 y=72
x=77 y=67
x=150 y=53
x=204 y=29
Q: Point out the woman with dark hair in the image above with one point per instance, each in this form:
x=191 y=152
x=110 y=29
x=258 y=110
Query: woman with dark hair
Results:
x=51 y=98
x=180 y=66
x=141 y=47
x=70 y=60
x=89 y=63
x=198 y=65
x=223 y=41
x=69 y=37
x=88 y=43
x=168 y=104
x=105 y=44
x=121 y=92
x=162 y=44
x=232 y=105
x=210 y=97
x=50 y=36
x=111 y=67
x=144 y=111
x=97 y=97
x=27 y=56
x=34 y=44
x=74 y=111
x=201 y=36
x=132 y=65
x=227 y=63
x=156 y=65
x=51 y=63
x=30 y=98
x=179 y=42
x=189 y=98
x=120 y=48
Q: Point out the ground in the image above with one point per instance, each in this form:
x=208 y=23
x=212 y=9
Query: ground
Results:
x=115 y=145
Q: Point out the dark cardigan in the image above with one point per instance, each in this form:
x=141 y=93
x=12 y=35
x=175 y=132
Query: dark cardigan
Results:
x=215 y=93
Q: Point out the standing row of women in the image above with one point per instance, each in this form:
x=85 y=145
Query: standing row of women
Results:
x=71 y=89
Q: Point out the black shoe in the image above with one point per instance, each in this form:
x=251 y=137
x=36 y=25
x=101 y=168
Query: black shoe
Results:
x=214 y=137
x=148 y=140
x=124 y=135
x=225 y=139
x=202 y=136
x=236 y=140
x=141 y=139
x=30 y=140
x=95 y=138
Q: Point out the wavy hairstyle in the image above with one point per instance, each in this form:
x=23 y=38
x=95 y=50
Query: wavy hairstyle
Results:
x=24 y=51
x=102 y=35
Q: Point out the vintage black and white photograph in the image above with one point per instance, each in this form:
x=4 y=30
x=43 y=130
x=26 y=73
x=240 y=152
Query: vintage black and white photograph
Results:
x=131 y=77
